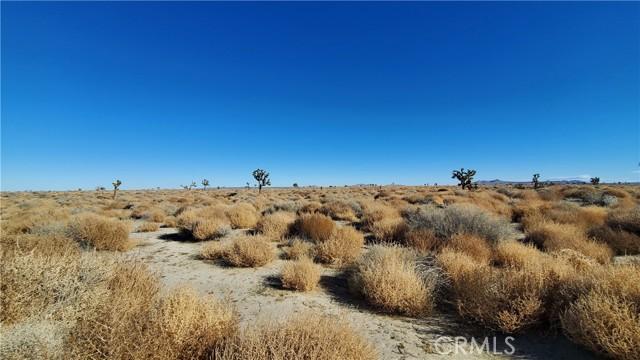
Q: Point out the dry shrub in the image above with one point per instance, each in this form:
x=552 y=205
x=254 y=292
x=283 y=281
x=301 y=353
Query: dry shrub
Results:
x=422 y=240
x=605 y=324
x=47 y=286
x=298 y=249
x=515 y=254
x=309 y=207
x=389 y=279
x=131 y=321
x=301 y=275
x=242 y=216
x=456 y=219
x=343 y=247
x=307 y=336
x=472 y=245
x=606 y=315
x=373 y=212
x=627 y=220
x=114 y=325
x=275 y=226
x=204 y=224
x=568 y=213
x=154 y=215
x=23 y=244
x=207 y=229
x=170 y=222
x=316 y=227
x=36 y=340
x=148 y=227
x=100 y=233
x=191 y=326
x=339 y=210
x=213 y=250
x=620 y=241
x=553 y=236
x=242 y=251
x=389 y=230
x=505 y=299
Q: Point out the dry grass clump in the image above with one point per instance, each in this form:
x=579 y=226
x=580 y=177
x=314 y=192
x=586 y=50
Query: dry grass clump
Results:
x=99 y=232
x=207 y=229
x=131 y=321
x=114 y=324
x=605 y=317
x=50 y=244
x=45 y=286
x=306 y=336
x=148 y=227
x=316 y=227
x=276 y=225
x=553 y=236
x=242 y=216
x=422 y=240
x=565 y=213
x=456 y=219
x=301 y=275
x=389 y=279
x=389 y=230
x=154 y=215
x=627 y=220
x=383 y=221
x=343 y=247
x=298 y=249
x=170 y=222
x=339 y=210
x=191 y=326
x=475 y=246
x=204 y=224
x=620 y=241
x=242 y=251
x=505 y=299
x=605 y=324
x=512 y=253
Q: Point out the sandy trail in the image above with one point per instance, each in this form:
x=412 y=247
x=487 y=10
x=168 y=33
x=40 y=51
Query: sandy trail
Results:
x=257 y=296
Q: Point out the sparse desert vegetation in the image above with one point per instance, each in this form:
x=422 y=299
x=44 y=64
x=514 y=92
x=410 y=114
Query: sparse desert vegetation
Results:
x=503 y=259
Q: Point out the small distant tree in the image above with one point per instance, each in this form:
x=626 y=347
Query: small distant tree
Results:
x=262 y=177
x=295 y=185
x=190 y=186
x=536 y=181
x=465 y=177
x=116 y=185
x=248 y=186
x=595 y=180
x=205 y=183
x=100 y=188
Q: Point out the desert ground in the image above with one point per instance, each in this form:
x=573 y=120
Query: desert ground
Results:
x=368 y=272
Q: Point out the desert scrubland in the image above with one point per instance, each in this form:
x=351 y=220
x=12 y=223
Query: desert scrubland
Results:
x=309 y=273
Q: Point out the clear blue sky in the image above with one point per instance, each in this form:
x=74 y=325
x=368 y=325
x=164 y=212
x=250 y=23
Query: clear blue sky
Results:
x=159 y=94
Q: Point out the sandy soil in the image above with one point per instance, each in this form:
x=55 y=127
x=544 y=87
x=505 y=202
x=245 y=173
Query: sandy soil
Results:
x=258 y=296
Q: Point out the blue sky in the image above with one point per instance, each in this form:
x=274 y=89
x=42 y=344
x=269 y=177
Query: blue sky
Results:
x=159 y=94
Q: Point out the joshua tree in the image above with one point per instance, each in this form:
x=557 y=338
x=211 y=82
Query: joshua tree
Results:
x=262 y=177
x=205 y=183
x=595 y=180
x=248 y=186
x=465 y=177
x=189 y=187
x=295 y=185
x=116 y=184
x=536 y=181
